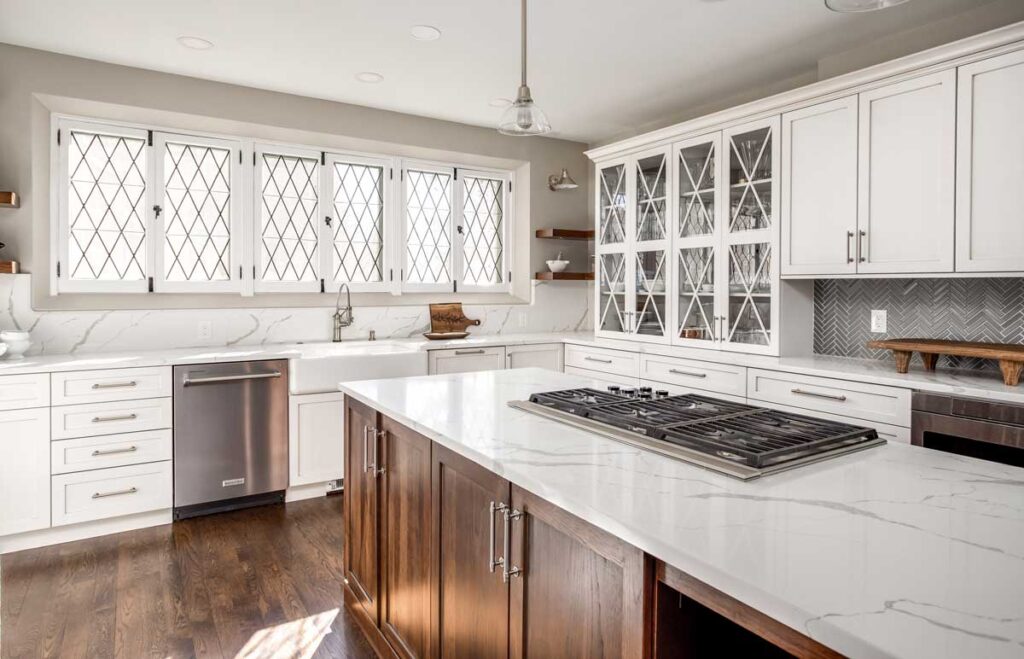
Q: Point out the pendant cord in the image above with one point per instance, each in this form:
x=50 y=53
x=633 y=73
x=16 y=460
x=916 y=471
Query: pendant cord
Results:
x=524 y=44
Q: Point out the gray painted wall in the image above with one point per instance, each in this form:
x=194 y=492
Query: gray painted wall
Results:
x=990 y=310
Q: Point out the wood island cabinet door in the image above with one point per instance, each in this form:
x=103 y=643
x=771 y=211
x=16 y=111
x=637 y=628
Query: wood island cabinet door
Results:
x=405 y=539
x=361 y=504
x=580 y=592
x=471 y=607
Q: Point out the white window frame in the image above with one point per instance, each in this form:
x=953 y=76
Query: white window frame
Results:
x=237 y=204
x=507 y=213
x=60 y=240
x=389 y=272
x=259 y=284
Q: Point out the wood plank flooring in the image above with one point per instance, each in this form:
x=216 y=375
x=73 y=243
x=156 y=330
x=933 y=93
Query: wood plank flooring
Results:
x=264 y=582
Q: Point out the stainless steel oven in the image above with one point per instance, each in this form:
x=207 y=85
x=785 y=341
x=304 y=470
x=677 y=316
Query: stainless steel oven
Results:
x=974 y=427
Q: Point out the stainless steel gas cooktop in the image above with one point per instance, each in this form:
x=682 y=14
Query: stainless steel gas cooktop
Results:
x=738 y=440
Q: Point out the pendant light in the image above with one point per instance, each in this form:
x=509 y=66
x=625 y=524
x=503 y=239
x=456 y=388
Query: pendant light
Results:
x=858 y=6
x=523 y=118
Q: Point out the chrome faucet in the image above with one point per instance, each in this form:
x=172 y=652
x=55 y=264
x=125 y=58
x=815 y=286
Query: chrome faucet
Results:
x=342 y=316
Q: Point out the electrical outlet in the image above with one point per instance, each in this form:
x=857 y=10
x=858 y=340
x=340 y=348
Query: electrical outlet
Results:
x=204 y=330
x=878 y=321
x=521 y=319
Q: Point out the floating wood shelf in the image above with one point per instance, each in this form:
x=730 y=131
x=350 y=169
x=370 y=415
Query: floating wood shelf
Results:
x=564 y=276
x=10 y=200
x=1010 y=356
x=565 y=234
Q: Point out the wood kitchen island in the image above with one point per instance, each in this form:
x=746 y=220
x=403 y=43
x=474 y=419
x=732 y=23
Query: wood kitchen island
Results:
x=476 y=530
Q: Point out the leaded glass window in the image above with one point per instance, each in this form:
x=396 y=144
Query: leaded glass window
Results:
x=289 y=224
x=359 y=227
x=483 y=212
x=428 y=211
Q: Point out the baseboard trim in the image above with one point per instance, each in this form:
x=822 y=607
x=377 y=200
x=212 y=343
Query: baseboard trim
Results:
x=72 y=532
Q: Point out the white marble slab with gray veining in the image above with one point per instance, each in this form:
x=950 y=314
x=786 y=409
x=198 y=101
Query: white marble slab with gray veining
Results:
x=896 y=551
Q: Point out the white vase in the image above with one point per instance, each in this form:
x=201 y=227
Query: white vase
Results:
x=17 y=343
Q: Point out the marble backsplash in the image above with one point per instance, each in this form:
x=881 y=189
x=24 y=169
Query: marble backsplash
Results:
x=554 y=308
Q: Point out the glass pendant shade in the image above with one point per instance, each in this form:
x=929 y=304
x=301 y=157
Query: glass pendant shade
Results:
x=523 y=118
x=857 y=6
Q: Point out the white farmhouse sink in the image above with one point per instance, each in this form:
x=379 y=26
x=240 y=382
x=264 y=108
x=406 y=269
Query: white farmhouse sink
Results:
x=323 y=365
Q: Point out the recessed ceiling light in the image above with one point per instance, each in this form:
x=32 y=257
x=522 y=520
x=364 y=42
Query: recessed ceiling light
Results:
x=369 y=77
x=858 y=6
x=195 y=43
x=500 y=102
x=425 y=33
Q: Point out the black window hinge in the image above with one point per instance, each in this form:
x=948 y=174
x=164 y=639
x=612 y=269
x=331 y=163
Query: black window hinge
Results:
x=58 y=137
x=321 y=284
x=323 y=157
x=455 y=286
x=401 y=175
x=456 y=173
x=391 y=274
x=149 y=138
x=510 y=186
x=240 y=158
x=58 y=269
x=240 y=272
x=254 y=273
x=150 y=284
x=509 y=275
x=253 y=158
x=391 y=174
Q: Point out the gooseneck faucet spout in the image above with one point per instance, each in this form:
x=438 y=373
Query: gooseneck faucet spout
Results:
x=342 y=316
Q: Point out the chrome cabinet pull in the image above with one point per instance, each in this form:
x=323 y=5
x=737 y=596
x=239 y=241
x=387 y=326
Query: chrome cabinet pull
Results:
x=120 y=417
x=860 y=246
x=507 y=569
x=676 y=371
x=102 y=495
x=366 y=448
x=492 y=560
x=115 y=385
x=190 y=382
x=818 y=395
x=849 y=246
x=595 y=359
x=470 y=352
x=378 y=437
x=115 y=451
x=373 y=465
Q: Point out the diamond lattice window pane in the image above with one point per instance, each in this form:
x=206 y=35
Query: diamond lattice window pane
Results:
x=650 y=198
x=106 y=214
x=359 y=230
x=288 y=220
x=482 y=216
x=428 y=210
x=197 y=197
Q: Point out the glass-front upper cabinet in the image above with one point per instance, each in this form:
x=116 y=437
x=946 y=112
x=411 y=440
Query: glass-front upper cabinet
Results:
x=752 y=167
x=610 y=261
x=649 y=294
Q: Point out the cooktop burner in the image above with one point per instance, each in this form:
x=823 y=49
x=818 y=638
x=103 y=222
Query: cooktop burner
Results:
x=741 y=440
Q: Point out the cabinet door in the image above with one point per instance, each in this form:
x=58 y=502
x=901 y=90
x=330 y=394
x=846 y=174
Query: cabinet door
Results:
x=405 y=539
x=467 y=360
x=546 y=355
x=648 y=232
x=315 y=422
x=361 y=504
x=611 y=265
x=697 y=238
x=24 y=470
x=990 y=165
x=471 y=609
x=906 y=184
x=579 y=592
x=819 y=189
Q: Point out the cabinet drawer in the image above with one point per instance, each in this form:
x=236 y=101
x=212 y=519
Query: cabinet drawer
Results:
x=84 y=453
x=608 y=378
x=466 y=360
x=19 y=392
x=707 y=376
x=885 y=431
x=109 y=418
x=678 y=390
x=103 y=493
x=110 y=385
x=890 y=405
x=618 y=362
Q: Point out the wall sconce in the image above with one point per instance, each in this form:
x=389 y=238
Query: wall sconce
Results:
x=9 y=200
x=563 y=181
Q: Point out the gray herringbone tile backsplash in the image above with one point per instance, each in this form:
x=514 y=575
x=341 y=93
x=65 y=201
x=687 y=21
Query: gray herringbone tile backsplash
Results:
x=957 y=309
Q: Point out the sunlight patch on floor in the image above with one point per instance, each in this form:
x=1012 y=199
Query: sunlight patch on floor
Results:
x=297 y=639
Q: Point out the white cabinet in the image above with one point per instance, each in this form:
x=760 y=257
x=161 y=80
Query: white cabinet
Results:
x=316 y=428
x=110 y=385
x=103 y=493
x=990 y=165
x=19 y=392
x=24 y=470
x=612 y=362
x=819 y=189
x=692 y=374
x=466 y=360
x=906 y=176
x=85 y=453
x=92 y=419
x=539 y=355
x=600 y=376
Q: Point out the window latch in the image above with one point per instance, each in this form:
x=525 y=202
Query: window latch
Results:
x=157 y=210
x=459 y=228
x=328 y=221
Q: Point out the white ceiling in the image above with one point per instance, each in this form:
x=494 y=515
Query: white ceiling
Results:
x=597 y=67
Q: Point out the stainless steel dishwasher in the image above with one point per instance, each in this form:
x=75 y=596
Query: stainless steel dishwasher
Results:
x=230 y=436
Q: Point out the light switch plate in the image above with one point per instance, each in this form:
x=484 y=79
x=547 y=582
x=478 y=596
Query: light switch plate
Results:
x=521 y=319
x=879 y=321
x=204 y=330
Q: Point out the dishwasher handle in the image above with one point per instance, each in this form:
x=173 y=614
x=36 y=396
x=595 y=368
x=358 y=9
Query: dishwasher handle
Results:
x=188 y=382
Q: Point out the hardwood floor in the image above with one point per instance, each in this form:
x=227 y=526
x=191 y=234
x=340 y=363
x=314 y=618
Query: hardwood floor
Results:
x=263 y=582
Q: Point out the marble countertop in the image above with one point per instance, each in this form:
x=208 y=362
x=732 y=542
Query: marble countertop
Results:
x=896 y=551
x=103 y=360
